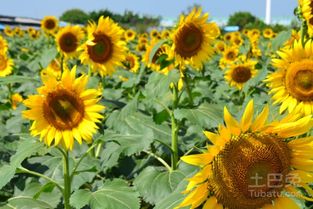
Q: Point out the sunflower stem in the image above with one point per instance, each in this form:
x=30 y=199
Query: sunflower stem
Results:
x=174 y=157
x=188 y=90
x=62 y=63
x=67 y=181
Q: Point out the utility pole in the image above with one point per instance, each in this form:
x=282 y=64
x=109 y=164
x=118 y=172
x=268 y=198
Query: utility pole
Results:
x=268 y=12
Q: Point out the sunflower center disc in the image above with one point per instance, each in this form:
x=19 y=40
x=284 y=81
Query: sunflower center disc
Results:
x=231 y=55
x=250 y=171
x=49 y=24
x=189 y=41
x=299 y=80
x=304 y=80
x=130 y=62
x=102 y=50
x=241 y=74
x=68 y=42
x=63 y=109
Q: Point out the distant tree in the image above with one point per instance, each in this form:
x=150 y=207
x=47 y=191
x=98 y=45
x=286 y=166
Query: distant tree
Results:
x=242 y=19
x=75 y=16
x=94 y=15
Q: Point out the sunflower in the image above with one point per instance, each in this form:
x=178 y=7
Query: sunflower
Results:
x=52 y=70
x=228 y=37
x=68 y=39
x=220 y=46
x=166 y=34
x=239 y=74
x=15 y=99
x=130 y=35
x=34 y=34
x=193 y=38
x=252 y=164
x=154 y=62
x=131 y=62
x=230 y=54
x=237 y=40
x=3 y=45
x=49 y=24
x=306 y=7
x=104 y=49
x=8 y=31
x=6 y=65
x=268 y=33
x=141 y=47
x=154 y=33
x=63 y=110
x=295 y=35
x=292 y=83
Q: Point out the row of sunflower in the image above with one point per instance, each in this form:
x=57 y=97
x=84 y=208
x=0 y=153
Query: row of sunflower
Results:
x=133 y=120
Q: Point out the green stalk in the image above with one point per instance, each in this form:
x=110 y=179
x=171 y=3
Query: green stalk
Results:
x=67 y=181
x=188 y=90
x=174 y=157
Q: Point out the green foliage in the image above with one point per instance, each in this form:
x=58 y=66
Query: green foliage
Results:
x=241 y=19
x=112 y=194
x=75 y=16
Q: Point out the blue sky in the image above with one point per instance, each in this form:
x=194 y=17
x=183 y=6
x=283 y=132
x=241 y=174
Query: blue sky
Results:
x=166 y=8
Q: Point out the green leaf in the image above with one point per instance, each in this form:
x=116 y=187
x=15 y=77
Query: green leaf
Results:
x=16 y=79
x=154 y=184
x=205 y=116
x=114 y=194
x=25 y=149
x=80 y=198
x=170 y=201
x=280 y=39
x=24 y=202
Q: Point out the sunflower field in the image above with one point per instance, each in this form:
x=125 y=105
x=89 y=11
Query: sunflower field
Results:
x=104 y=117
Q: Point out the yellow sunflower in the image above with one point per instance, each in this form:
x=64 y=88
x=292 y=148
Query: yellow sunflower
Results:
x=230 y=54
x=306 y=7
x=154 y=63
x=34 y=34
x=268 y=33
x=130 y=35
x=253 y=164
x=228 y=37
x=193 y=39
x=8 y=31
x=104 y=49
x=49 y=24
x=239 y=74
x=63 y=110
x=154 y=33
x=131 y=62
x=220 y=46
x=6 y=65
x=68 y=40
x=166 y=34
x=3 y=45
x=141 y=47
x=52 y=70
x=292 y=83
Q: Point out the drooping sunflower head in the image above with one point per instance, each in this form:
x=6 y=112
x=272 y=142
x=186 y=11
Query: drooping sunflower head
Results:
x=193 y=39
x=306 y=7
x=268 y=33
x=8 y=31
x=154 y=63
x=292 y=82
x=131 y=62
x=68 y=40
x=3 y=45
x=130 y=35
x=63 y=110
x=252 y=163
x=240 y=73
x=6 y=65
x=15 y=100
x=49 y=24
x=104 y=49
